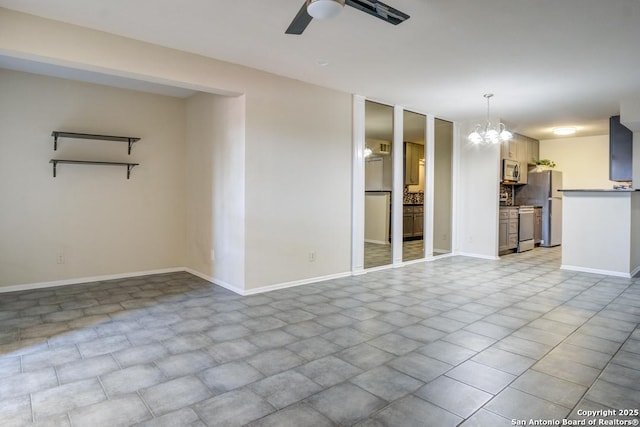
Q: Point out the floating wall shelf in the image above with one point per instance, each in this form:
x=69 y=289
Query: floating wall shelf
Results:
x=130 y=140
x=85 y=162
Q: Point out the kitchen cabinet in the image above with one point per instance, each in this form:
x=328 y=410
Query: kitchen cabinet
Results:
x=412 y=221
x=537 y=225
x=529 y=153
x=534 y=151
x=508 y=229
x=509 y=149
x=620 y=151
x=412 y=155
x=524 y=150
x=523 y=157
x=418 y=221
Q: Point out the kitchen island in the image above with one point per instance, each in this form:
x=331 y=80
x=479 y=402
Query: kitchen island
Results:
x=601 y=231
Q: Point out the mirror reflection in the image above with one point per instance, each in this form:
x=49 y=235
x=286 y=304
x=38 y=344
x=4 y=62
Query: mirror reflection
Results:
x=378 y=184
x=442 y=187
x=414 y=132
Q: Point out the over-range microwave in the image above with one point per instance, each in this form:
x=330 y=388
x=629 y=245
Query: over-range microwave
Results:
x=510 y=171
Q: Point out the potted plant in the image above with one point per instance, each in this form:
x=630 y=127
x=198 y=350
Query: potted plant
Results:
x=544 y=164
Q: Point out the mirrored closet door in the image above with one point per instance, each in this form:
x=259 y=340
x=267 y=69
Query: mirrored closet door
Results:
x=413 y=197
x=442 y=187
x=378 y=184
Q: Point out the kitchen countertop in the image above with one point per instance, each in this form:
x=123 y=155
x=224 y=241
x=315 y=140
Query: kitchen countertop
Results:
x=517 y=206
x=600 y=190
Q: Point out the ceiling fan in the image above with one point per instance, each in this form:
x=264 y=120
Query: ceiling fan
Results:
x=329 y=8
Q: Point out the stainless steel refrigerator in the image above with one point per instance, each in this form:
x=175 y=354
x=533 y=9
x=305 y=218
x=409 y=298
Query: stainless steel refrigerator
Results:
x=542 y=190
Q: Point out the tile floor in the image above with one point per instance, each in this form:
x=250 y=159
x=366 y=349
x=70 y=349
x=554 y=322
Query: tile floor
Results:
x=376 y=255
x=456 y=341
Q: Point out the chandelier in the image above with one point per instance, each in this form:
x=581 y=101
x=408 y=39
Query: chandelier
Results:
x=487 y=133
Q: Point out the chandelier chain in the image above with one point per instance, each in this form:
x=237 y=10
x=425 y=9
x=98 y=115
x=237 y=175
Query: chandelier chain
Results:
x=487 y=133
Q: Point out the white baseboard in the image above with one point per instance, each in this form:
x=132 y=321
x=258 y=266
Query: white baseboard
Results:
x=377 y=242
x=221 y=283
x=295 y=283
x=489 y=257
x=215 y=281
x=442 y=251
x=414 y=261
x=267 y=288
x=79 y=280
x=381 y=267
x=598 y=271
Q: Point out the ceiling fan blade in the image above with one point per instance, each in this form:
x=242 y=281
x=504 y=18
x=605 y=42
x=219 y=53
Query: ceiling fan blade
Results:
x=379 y=10
x=300 y=22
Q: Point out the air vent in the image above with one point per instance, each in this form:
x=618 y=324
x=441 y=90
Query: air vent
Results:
x=385 y=148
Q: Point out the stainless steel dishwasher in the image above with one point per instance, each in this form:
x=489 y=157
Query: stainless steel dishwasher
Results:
x=525 y=228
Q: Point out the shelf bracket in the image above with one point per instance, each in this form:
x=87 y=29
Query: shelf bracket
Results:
x=55 y=143
x=129 y=167
x=131 y=141
x=54 y=167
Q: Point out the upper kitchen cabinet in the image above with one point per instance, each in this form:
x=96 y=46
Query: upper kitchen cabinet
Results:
x=524 y=150
x=528 y=149
x=620 y=151
x=531 y=157
x=509 y=149
x=412 y=155
x=534 y=151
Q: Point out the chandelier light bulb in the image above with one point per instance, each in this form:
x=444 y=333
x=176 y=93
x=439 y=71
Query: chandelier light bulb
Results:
x=504 y=133
x=475 y=137
x=488 y=133
x=491 y=134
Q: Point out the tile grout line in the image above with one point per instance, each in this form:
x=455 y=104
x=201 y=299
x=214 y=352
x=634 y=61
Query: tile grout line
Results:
x=576 y=329
x=612 y=356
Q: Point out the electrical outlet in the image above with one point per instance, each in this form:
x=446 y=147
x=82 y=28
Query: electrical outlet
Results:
x=60 y=259
x=312 y=256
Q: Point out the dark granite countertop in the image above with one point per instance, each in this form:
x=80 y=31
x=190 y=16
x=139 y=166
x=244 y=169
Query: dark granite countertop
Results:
x=599 y=190
x=517 y=206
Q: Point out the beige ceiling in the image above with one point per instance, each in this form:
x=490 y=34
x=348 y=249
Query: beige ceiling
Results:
x=549 y=62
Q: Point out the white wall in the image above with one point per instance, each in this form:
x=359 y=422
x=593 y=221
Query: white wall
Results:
x=584 y=161
x=376 y=218
x=297 y=141
x=635 y=234
x=298 y=182
x=630 y=117
x=100 y=222
x=477 y=205
x=215 y=188
x=598 y=232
